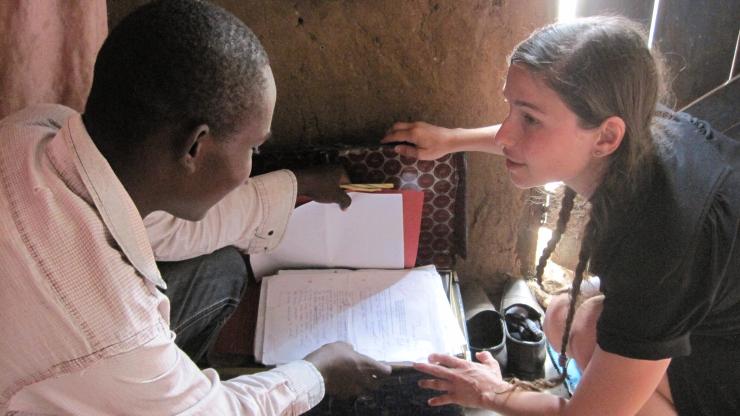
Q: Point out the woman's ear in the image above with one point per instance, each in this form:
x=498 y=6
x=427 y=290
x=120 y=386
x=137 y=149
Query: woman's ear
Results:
x=191 y=148
x=611 y=133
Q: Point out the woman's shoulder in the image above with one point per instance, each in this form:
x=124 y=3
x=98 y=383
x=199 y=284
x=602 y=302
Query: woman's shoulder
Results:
x=682 y=135
x=695 y=158
x=697 y=170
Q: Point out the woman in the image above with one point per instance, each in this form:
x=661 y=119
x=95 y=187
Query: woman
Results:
x=663 y=231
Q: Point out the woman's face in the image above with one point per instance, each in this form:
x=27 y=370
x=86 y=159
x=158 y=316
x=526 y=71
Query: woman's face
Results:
x=541 y=138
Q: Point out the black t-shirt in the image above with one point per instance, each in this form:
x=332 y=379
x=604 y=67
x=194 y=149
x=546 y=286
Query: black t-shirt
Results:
x=670 y=269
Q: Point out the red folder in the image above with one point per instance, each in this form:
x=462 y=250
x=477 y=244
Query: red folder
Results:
x=413 y=202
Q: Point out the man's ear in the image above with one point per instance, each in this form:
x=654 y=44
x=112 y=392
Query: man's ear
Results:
x=191 y=148
x=611 y=133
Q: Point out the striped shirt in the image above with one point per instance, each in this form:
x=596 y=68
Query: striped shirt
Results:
x=83 y=328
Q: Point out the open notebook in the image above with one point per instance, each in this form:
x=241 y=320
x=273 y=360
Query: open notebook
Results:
x=390 y=315
x=378 y=230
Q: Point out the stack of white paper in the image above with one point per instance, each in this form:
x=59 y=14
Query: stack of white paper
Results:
x=390 y=315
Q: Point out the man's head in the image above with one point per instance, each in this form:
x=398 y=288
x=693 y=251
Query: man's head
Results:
x=182 y=90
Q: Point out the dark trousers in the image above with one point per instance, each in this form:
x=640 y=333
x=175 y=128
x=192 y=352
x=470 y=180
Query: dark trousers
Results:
x=203 y=292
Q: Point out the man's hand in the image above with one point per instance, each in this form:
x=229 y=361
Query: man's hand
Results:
x=321 y=184
x=425 y=141
x=346 y=372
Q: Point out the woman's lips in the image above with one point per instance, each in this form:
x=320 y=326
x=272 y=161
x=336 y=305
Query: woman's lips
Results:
x=510 y=164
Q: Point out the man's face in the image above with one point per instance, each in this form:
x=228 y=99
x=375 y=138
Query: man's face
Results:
x=227 y=162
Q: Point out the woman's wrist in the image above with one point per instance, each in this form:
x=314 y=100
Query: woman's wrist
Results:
x=455 y=142
x=479 y=139
x=494 y=398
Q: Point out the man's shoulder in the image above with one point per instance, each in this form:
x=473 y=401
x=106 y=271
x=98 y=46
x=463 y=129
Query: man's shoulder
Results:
x=22 y=131
x=38 y=115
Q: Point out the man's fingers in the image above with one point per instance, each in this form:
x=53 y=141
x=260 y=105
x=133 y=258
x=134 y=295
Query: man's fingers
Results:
x=343 y=178
x=372 y=377
x=378 y=368
x=344 y=200
x=385 y=369
x=345 y=344
x=375 y=369
x=368 y=381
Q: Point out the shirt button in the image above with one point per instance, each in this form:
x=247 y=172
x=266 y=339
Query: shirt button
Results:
x=271 y=232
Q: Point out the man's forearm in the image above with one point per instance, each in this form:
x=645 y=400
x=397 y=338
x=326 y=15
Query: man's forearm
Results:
x=252 y=218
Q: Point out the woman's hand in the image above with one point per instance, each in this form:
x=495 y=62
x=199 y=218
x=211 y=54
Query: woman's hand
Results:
x=462 y=382
x=426 y=142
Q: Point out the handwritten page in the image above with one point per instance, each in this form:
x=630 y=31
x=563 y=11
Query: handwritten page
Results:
x=390 y=315
x=369 y=234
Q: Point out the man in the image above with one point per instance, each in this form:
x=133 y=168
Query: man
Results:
x=182 y=93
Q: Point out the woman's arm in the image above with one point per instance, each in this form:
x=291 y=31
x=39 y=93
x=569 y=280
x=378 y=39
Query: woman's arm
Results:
x=611 y=385
x=428 y=142
x=616 y=385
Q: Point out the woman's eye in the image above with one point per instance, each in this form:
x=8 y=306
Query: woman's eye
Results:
x=529 y=119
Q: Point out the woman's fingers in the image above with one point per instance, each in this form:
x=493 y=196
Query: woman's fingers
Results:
x=402 y=125
x=459 y=381
x=407 y=151
x=435 y=384
x=448 y=361
x=434 y=370
x=485 y=357
x=442 y=367
x=440 y=400
x=396 y=135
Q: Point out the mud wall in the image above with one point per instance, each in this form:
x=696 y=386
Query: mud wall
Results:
x=346 y=70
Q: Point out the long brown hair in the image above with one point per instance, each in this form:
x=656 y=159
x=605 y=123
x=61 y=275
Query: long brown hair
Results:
x=600 y=67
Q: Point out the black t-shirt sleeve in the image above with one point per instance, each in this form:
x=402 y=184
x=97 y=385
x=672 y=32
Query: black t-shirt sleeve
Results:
x=651 y=315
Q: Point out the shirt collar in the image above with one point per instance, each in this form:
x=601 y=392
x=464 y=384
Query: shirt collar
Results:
x=114 y=204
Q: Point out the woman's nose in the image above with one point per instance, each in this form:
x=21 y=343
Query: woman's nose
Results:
x=506 y=136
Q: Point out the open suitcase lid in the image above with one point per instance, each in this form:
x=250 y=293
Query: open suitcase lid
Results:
x=443 y=227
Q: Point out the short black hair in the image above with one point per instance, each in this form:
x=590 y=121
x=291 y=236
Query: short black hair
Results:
x=176 y=63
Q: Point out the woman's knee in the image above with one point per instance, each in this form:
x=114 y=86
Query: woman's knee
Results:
x=583 y=330
x=555 y=316
x=582 y=336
